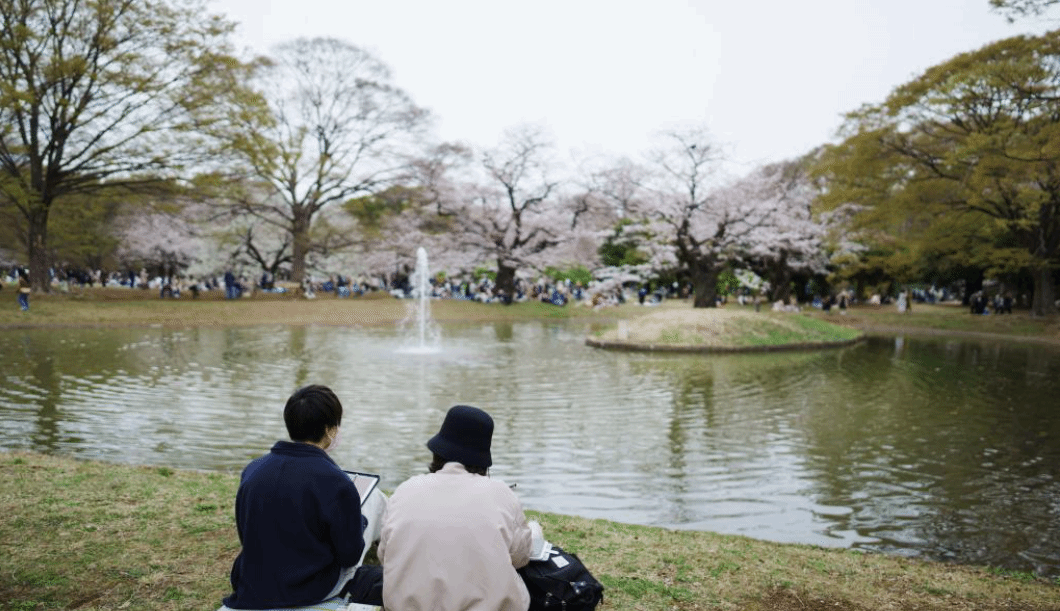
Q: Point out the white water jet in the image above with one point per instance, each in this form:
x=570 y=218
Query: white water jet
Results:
x=425 y=338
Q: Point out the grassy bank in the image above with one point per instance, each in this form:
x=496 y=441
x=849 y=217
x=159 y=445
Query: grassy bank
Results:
x=124 y=307
x=945 y=319
x=87 y=535
x=674 y=325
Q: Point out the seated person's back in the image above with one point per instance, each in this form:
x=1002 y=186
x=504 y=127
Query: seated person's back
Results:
x=452 y=539
x=298 y=515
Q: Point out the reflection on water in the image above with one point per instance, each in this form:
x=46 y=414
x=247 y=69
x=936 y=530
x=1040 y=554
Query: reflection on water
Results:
x=931 y=447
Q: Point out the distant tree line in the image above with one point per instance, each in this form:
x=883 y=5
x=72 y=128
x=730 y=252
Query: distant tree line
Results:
x=132 y=135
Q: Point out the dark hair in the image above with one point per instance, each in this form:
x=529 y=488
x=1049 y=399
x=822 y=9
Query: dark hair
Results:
x=310 y=412
x=438 y=462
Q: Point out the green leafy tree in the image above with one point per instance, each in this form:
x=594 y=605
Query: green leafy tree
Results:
x=621 y=247
x=80 y=229
x=977 y=137
x=395 y=209
x=577 y=274
x=332 y=128
x=92 y=95
x=728 y=283
x=1013 y=9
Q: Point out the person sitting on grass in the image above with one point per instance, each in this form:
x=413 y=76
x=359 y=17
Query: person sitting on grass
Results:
x=300 y=520
x=452 y=539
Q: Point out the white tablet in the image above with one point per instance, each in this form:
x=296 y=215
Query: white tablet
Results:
x=365 y=482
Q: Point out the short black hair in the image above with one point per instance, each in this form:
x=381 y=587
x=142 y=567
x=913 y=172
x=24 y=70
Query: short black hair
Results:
x=310 y=412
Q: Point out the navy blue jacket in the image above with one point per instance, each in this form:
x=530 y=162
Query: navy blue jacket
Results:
x=299 y=519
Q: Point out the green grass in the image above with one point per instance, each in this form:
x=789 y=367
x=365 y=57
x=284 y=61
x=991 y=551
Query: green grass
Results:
x=122 y=307
x=89 y=535
x=946 y=318
x=783 y=329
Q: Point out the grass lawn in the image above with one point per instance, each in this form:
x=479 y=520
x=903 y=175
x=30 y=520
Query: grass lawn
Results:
x=124 y=307
x=90 y=535
x=945 y=319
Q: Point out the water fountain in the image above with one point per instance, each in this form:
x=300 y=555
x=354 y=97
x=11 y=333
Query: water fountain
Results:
x=424 y=338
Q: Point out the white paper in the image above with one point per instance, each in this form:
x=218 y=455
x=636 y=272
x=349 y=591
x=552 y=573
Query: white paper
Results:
x=546 y=551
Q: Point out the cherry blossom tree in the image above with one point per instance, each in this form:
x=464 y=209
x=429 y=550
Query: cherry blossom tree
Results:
x=692 y=227
x=703 y=227
x=165 y=237
x=614 y=193
x=507 y=209
x=619 y=184
x=792 y=242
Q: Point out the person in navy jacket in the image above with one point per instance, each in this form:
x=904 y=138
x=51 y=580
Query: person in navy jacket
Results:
x=299 y=519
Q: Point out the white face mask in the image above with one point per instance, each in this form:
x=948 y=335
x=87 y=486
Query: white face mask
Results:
x=333 y=441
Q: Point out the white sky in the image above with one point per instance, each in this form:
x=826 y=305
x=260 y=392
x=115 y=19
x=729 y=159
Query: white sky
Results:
x=770 y=78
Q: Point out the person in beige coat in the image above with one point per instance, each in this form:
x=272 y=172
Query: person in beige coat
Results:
x=452 y=539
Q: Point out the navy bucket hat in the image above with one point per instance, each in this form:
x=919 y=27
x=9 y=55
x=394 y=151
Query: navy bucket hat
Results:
x=464 y=437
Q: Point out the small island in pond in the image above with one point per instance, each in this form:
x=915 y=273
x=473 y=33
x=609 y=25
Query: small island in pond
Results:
x=722 y=330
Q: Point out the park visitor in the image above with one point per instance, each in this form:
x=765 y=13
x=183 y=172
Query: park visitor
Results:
x=300 y=520
x=452 y=539
x=23 y=290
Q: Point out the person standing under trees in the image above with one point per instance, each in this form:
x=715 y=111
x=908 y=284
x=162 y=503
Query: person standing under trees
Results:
x=23 y=289
x=453 y=538
x=230 y=285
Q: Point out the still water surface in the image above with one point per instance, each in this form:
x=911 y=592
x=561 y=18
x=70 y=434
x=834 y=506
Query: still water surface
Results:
x=938 y=448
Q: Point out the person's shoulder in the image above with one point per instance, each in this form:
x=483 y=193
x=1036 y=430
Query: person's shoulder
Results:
x=415 y=481
x=423 y=483
x=254 y=465
x=499 y=486
x=321 y=468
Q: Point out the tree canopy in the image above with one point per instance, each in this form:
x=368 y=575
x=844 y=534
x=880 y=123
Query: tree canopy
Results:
x=1022 y=8
x=977 y=136
x=92 y=95
x=332 y=127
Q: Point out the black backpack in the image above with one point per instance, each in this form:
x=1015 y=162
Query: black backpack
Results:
x=561 y=583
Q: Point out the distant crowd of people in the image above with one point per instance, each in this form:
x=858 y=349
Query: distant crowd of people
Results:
x=482 y=289
x=238 y=284
x=998 y=304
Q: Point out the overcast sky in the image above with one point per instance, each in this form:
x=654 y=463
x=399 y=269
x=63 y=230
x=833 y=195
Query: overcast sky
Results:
x=770 y=78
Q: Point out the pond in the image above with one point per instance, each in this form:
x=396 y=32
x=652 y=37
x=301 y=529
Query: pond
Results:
x=939 y=448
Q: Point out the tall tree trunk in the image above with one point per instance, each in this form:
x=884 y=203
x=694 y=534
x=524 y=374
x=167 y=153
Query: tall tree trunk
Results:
x=705 y=285
x=39 y=263
x=506 y=282
x=973 y=283
x=801 y=286
x=300 y=246
x=780 y=282
x=1044 y=301
x=779 y=277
